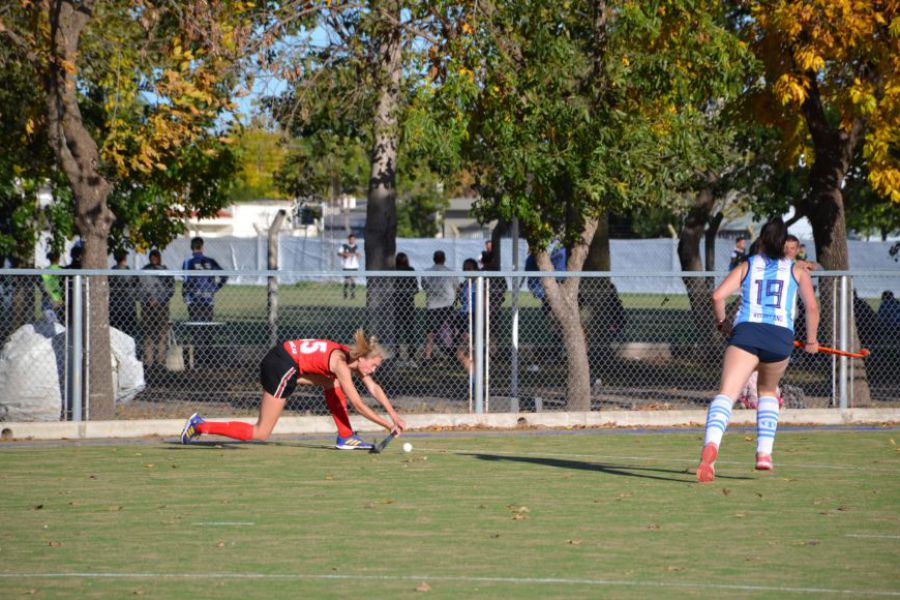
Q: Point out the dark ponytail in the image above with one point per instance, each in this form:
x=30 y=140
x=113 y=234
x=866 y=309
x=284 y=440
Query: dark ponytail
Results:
x=772 y=237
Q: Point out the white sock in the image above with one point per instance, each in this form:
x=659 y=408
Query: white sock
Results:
x=766 y=424
x=717 y=419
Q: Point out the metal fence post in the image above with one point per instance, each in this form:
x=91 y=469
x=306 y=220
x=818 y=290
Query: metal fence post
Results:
x=845 y=346
x=76 y=364
x=479 y=345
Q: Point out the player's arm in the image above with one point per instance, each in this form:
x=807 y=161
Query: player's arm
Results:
x=378 y=393
x=808 y=295
x=338 y=366
x=729 y=286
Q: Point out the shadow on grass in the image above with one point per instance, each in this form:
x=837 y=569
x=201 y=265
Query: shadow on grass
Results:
x=210 y=445
x=621 y=470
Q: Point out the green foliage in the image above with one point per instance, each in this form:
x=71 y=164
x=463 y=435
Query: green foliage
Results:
x=260 y=154
x=558 y=128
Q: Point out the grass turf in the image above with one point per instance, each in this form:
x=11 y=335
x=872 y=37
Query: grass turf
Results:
x=562 y=514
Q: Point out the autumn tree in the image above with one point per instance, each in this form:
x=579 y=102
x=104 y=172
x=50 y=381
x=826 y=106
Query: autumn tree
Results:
x=124 y=85
x=832 y=79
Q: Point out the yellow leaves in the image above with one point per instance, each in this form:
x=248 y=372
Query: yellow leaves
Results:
x=809 y=60
x=625 y=61
x=790 y=89
x=467 y=28
x=29 y=126
x=467 y=73
x=862 y=94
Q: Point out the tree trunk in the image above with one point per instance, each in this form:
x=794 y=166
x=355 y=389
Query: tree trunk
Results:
x=824 y=207
x=381 y=212
x=563 y=298
x=699 y=289
x=604 y=316
x=79 y=158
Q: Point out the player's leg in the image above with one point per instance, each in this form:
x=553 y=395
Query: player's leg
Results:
x=736 y=369
x=278 y=376
x=768 y=411
x=337 y=406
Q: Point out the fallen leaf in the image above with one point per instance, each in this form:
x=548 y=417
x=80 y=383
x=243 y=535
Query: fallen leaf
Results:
x=423 y=587
x=672 y=569
x=388 y=500
x=495 y=535
x=740 y=515
x=726 y=491
x=149 y=465
x=810 y=543
x=573 y=542
x=220 y=544
x=653 y=526
x=519 y=517
x=39 y=507
x=747 y=438
x=55 y=544
x=329 y=478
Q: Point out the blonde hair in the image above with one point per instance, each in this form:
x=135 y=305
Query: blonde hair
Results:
x=367 y=347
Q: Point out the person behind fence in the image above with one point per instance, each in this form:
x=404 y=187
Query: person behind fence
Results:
x=199 y=295
x=155 y=294
x=324 y=363
x=123 y=297
x=761 y=339
x=404 y=304
x=52 y=291
x=349 y=262
x=738 y=254
x=465 y=316
x=440 y=294
x=887 y=318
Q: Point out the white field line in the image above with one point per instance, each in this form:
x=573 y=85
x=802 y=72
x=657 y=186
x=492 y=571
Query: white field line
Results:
x=225 y=524
x=873 y=536
x=653 y=459
x=458 y=579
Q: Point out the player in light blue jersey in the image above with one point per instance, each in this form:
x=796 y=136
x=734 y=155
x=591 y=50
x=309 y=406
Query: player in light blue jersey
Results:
x=761 y=339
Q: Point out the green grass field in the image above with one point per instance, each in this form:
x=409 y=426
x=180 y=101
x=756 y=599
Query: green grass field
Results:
x=580 y=514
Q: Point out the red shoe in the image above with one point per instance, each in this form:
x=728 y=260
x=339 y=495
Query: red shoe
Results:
x=764 y=462
x=706 y=472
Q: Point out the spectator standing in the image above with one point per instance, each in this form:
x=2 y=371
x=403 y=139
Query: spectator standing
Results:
x=465 y=316
x=487 y=256
x=52 y=299
x=199 y=295
x=440 y=294
x=350 y=262
x=155 y=294
x=887 y=319
x=405 y=290
x=199 y=292
x=739 y=254
x=122 y=297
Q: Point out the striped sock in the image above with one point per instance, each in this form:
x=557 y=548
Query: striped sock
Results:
x=717 y=419
x=766 y=424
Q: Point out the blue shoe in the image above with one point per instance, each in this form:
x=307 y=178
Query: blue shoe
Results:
x=352 y=442
x=190 y=428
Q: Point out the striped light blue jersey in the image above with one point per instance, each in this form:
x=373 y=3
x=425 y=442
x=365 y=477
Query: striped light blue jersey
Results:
x=768 y=292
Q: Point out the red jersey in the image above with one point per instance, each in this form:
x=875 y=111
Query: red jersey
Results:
x=312 y=356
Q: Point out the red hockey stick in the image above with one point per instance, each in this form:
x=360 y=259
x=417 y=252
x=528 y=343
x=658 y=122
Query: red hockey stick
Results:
x=863 y=352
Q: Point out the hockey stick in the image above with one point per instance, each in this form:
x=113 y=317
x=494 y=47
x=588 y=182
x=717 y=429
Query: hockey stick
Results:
x=380 y=446
x=863 y=352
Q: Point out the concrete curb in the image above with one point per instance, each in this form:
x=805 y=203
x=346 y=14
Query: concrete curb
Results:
x=325 y=426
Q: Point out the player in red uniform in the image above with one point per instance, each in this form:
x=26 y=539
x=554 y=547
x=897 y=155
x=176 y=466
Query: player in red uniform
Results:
x=324 y=363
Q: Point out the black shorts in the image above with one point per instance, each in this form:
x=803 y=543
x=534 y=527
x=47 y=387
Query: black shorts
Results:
x=770 y=343
x=278 y=373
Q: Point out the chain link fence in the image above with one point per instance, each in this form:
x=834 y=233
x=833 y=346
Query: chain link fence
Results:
x=649 y=341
